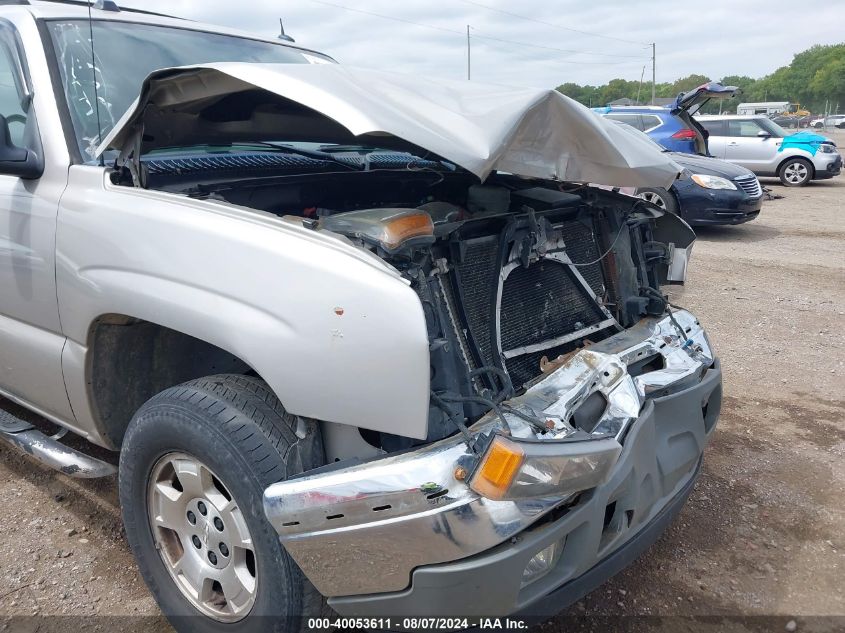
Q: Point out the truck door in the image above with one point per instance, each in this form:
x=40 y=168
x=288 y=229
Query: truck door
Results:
x=30 y=333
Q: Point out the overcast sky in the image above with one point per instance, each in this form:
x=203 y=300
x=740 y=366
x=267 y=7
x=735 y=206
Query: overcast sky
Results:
x=715 y=38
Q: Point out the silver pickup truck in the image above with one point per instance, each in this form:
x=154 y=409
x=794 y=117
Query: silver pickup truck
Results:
x=359 y=341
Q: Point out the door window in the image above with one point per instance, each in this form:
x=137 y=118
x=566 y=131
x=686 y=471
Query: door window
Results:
x=744 y=129
x=714 y=128
x=11 y=95
x=650 y=122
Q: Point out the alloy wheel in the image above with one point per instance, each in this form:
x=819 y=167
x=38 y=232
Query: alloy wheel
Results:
x=796 y=173
x=653 y=198
x=202 y=537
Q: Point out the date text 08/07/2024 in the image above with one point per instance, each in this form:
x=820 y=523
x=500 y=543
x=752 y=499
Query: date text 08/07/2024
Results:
x=419 y=624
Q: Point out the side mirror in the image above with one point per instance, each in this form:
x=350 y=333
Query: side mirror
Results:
x=763 y=134
x=17 y=161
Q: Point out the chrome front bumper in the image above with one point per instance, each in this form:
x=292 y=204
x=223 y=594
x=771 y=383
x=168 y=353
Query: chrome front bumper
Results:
x=363 y=529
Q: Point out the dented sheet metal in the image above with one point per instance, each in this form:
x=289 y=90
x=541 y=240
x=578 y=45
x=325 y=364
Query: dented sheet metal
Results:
x=529 y=132
x=681 y=352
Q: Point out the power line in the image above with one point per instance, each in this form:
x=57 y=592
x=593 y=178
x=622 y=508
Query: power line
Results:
x=482 y=37
x=559 y=50
x=552 y=24
x=551 y=48
x=388 y=17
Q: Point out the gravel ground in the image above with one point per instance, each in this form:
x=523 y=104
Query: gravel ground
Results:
x=762 y=535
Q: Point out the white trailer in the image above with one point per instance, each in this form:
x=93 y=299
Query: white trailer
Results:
x=767 y=107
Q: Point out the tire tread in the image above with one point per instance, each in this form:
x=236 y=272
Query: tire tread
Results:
x=245 y=411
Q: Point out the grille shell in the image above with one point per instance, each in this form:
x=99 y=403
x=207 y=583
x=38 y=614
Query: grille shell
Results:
x=750 y=185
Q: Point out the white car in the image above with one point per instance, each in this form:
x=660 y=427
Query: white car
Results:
x=833 y=120
x=764 y=147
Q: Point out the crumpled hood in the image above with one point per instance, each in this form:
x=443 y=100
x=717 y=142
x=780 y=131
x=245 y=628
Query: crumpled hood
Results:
x=529 y=132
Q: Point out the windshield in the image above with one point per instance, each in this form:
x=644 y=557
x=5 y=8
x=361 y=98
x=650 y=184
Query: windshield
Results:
x=772 y=128
x=126 y=53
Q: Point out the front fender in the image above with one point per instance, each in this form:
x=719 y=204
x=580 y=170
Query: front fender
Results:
x=337 y=335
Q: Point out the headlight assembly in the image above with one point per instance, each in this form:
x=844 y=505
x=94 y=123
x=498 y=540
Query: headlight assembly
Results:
x=391 y=229
x=519 y=469
x=712 y=182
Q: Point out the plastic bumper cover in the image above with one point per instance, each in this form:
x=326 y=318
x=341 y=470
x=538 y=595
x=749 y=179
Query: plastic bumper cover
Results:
x=830 y=167
x=701 y=206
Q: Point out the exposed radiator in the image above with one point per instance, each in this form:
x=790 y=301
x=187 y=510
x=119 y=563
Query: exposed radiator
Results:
x=479 y=283
x=539 y=304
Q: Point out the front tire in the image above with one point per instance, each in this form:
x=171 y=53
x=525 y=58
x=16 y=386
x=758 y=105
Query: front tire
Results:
x=795 y=172
x=659 y=197
x=194 y=465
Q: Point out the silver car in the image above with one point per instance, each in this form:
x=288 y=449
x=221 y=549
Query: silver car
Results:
x=833 y=120
x=761 y=145
x=355 y=338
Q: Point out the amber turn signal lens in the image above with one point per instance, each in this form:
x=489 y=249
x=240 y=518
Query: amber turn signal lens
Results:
x=498 y=467
x=405 y=227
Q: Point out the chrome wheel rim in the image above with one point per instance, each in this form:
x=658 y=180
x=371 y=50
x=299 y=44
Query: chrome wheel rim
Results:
x=795 y=172
x=653 y=198
x=202 y=537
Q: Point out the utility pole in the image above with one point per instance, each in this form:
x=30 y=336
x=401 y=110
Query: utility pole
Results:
x=653 y=72
x=469 y=63
x=642 y=74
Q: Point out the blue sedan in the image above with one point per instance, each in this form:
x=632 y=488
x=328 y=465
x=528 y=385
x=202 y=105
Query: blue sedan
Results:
x=710 y=191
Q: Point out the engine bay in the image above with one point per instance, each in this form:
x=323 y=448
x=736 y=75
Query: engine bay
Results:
x=514 y=275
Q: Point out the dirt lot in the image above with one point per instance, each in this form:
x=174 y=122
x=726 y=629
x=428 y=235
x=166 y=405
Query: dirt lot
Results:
x=762 y=535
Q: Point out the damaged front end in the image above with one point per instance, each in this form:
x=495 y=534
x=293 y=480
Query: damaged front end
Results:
x=567 y=403
x=364 y=529
x=548 y=338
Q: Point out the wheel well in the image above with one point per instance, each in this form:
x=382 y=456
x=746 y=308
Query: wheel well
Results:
x=131 y=360
x=807 y=160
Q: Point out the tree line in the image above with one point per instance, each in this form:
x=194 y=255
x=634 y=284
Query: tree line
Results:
x=815 y=79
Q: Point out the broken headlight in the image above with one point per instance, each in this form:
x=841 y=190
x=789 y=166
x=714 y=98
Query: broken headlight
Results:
x=521 y=469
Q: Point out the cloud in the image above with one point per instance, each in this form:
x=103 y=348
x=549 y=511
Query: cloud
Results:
x=716 y=39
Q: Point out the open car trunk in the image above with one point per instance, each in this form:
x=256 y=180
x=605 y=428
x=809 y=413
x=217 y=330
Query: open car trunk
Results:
x=688 y=103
